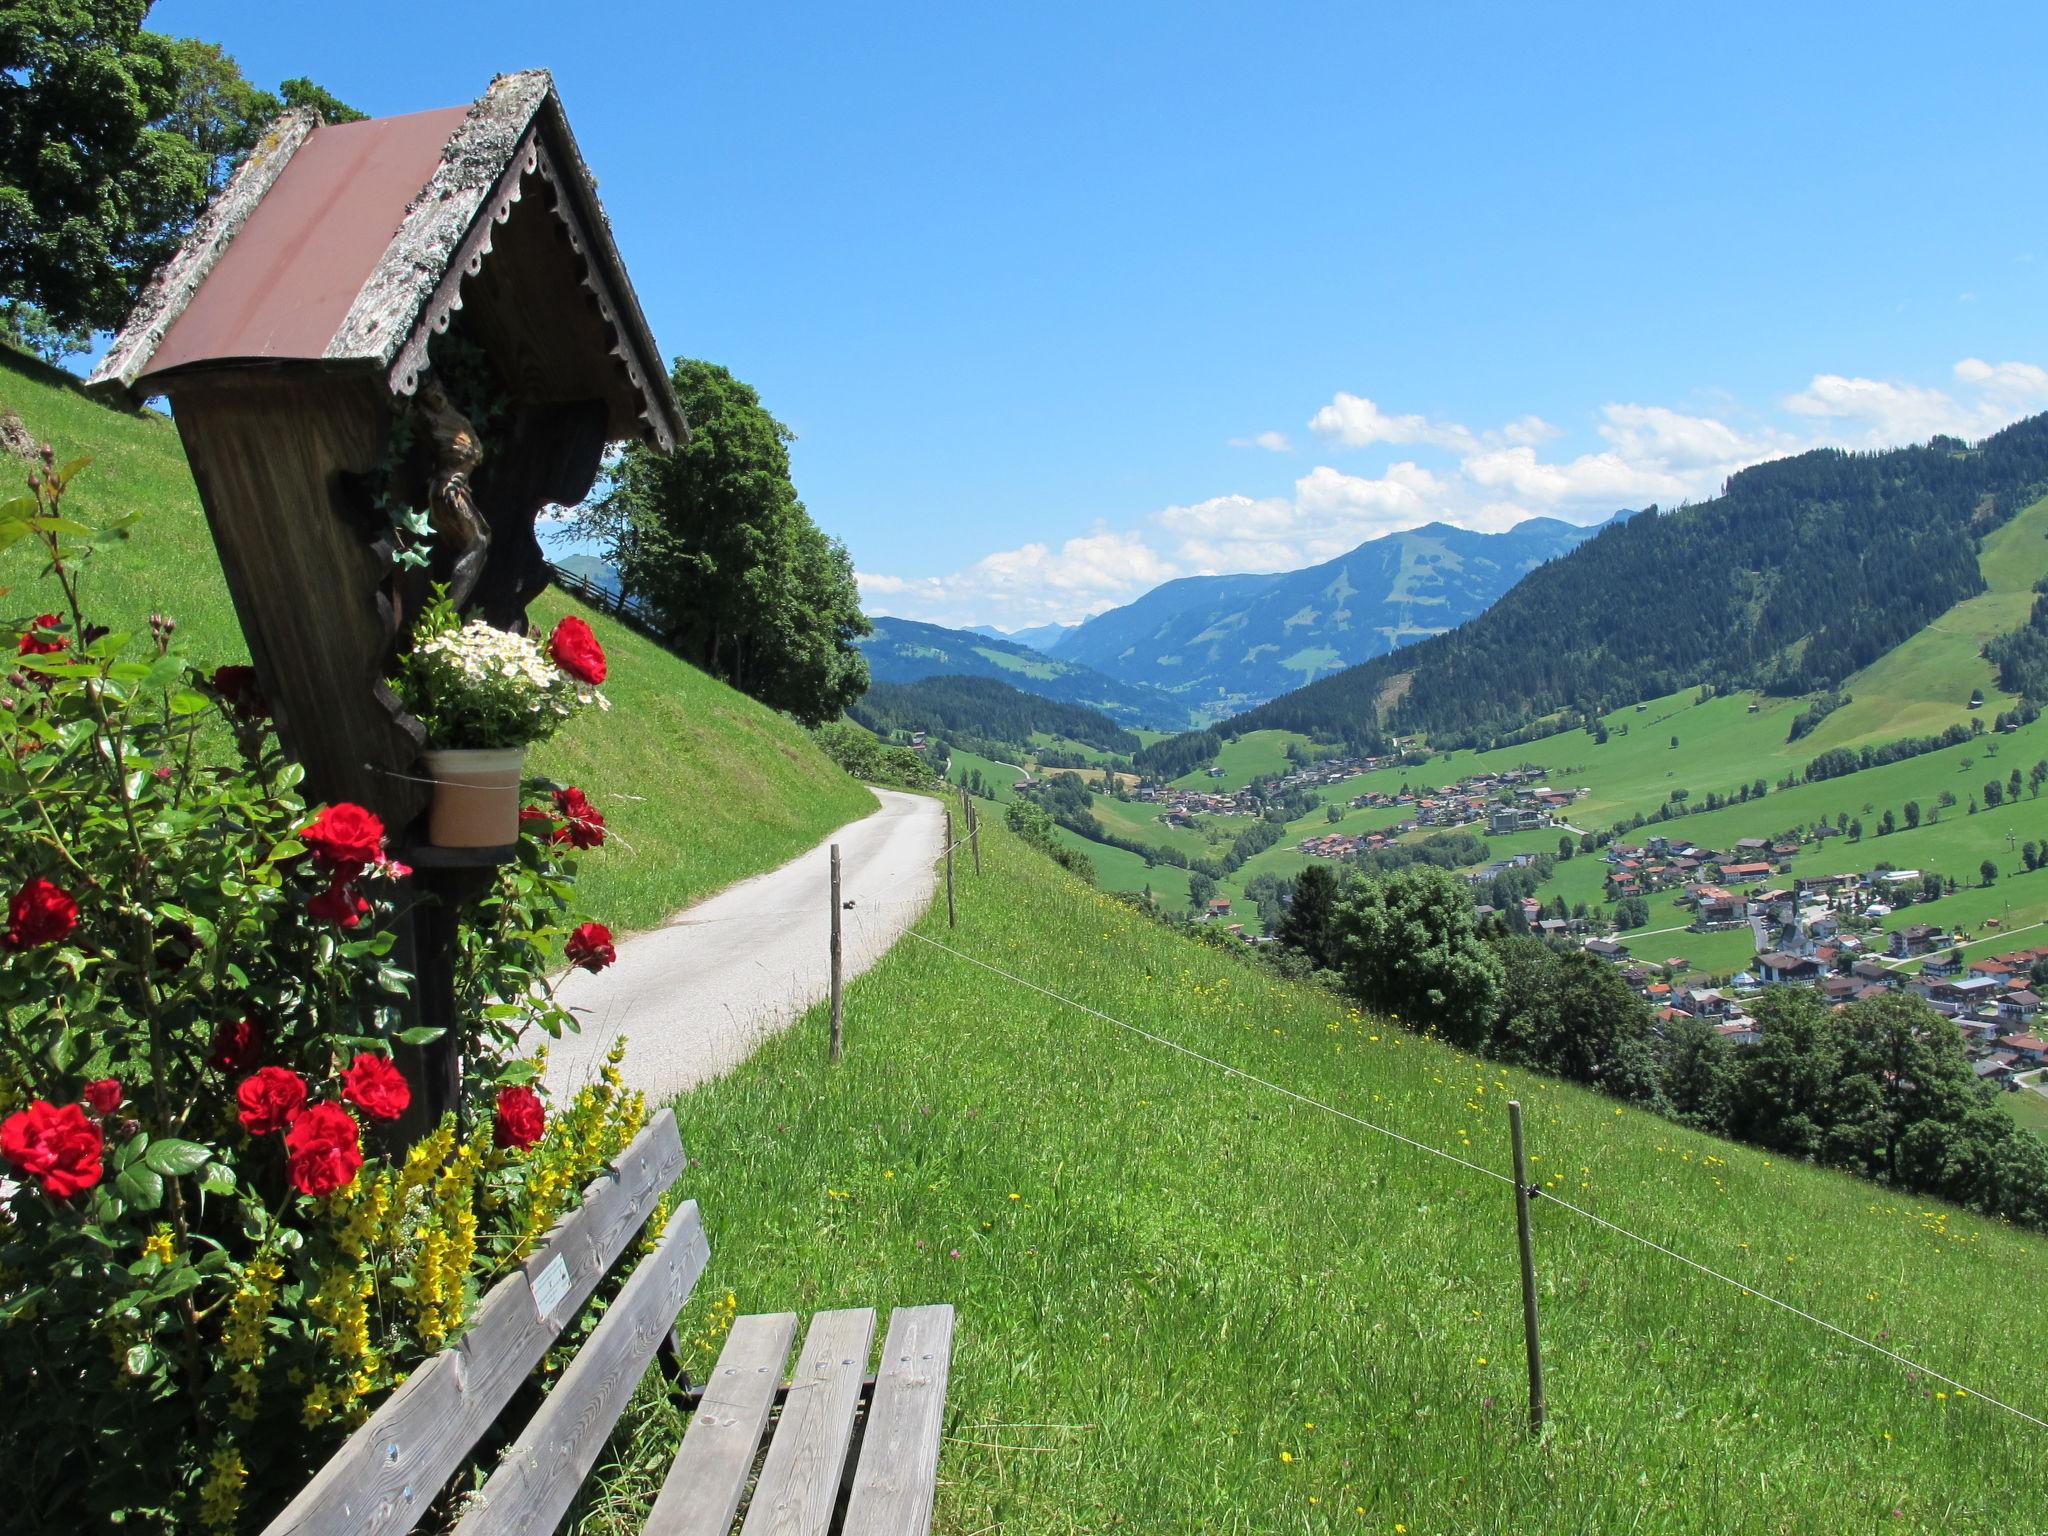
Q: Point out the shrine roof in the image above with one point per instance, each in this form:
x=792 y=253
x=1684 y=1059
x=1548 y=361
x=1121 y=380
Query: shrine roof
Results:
x=347 y=245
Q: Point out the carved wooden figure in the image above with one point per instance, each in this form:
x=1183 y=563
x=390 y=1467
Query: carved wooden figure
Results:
x=425 y=311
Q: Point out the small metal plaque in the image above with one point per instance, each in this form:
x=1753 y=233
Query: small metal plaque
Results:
x=550 y=1286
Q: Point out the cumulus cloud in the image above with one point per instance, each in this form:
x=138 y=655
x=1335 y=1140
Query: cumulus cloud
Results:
x=1356 y=422
x=1487 y=481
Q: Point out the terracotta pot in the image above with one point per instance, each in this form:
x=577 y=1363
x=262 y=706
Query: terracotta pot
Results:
x=476 y=797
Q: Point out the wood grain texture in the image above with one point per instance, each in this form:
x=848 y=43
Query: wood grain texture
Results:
x=799 y=1484
x=702 y=1492
x=384 y=1476
x=898 y=1471
x=536 y=1480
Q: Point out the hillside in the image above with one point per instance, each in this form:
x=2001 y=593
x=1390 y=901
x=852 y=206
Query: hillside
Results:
x=1804 y=571
x=1202 y=1306
x=904 y=651
x=701 y=785
x=988 y=709
x=1225 y=642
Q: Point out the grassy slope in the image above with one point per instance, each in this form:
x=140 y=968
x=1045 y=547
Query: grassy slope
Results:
x=729 y=788
x=1187 y=1277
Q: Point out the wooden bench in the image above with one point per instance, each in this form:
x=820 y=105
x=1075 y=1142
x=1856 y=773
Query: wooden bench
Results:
x=845 y=1451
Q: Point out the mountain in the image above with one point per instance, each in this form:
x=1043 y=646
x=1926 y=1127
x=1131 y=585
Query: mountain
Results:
x=987 y=710
x=1039 y=637
x=1801 y=572
x=903 y=651
x=1223 y=642
x=593 y=570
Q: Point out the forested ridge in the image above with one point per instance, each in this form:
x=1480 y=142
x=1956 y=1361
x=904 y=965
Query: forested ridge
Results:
x=987 y=708
x=1804 y=570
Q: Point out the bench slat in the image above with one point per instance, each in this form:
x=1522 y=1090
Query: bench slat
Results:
x=898 y=1472
x=702 y=1491
x=799 y=1485
x=536 y=1481
x=382 y=1479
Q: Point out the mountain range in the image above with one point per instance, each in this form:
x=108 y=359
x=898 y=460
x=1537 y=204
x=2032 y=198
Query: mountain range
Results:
x=905 y=651
x=1224 y=643
x=1801 y=572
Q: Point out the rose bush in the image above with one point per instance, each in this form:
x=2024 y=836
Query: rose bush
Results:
x=215 y=1254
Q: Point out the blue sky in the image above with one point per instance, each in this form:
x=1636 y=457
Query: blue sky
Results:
x=1031 y=282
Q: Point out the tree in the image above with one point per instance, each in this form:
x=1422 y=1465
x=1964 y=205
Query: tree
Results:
x=1201 y=890
x=1912 y=814
x=713 y=538
x=1408 y=946
x=1696 y=1071
x=1571 y=1013
x=1333 y=815
x=1566 y=847
x=1856 y=830
x=1631 y=912
x=1784 y=1087
x=1994 y=794
x=1886 y=825
x=111 y=139
x=1988 y=870
x=1309 y=924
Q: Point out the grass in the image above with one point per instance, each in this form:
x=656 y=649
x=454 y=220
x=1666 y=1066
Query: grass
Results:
x=1188 y=1303
x=2028 y=1109
x=701 y=785
x=1255 y=755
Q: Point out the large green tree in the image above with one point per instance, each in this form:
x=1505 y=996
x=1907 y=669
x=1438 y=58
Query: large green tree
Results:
x=111 y=139
x=1408 y=945
x=714 y=539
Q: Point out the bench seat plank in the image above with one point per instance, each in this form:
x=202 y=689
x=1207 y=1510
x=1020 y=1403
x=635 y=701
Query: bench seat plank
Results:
x=386 y=1474
x=799 y=1485
x=536 y=1481
x=898 y=1474
x=702 y=1492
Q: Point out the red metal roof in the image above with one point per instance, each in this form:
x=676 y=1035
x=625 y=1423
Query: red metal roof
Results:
x=286 y=281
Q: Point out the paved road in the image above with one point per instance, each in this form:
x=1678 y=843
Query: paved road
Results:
x=695 y=996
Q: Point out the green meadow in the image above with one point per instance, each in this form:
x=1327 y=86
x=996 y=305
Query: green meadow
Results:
x=1190 y=1303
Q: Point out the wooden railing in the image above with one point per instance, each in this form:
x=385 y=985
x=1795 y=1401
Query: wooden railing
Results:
x=626 y=608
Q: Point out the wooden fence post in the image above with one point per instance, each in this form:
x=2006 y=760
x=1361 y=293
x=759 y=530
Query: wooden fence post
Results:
x=952 y=916
x=1531 y=1338
x=973 y=828
x=838 y=1013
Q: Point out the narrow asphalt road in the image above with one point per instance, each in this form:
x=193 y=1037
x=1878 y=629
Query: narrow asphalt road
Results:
x=695 y=996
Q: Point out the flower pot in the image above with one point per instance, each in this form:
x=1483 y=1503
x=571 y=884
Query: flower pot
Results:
x=476 y=796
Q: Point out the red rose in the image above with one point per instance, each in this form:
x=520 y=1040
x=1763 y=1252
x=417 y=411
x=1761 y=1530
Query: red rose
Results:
x=535 y=820
x=590 y=946
x=59 y=1148
x=340 y=903
x=376 y=1087
x=323 y=1149
x=238 y=689
x=576 y=651
x=344 y=838
x=41 y=913
x=104 y=1095
x=521 y=1117
x=270 y=1099
x=237 y=1046
x=40 y=638
x=582 y=823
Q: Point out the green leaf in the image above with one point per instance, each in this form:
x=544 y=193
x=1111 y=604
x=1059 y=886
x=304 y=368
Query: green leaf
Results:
x=134 y=1150
x=515 y=1072
x=140 y=1358
x=171 y=1157
x=66 y=471
x=141 y=1187
x=423 y=1034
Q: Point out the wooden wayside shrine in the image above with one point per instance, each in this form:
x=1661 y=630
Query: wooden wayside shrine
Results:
x=417 y=312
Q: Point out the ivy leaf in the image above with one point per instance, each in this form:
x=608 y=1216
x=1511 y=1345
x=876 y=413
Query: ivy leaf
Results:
x=140 y=1187
x=172 y=1158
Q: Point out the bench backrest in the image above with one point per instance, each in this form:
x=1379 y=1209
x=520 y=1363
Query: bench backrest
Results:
x=388 y=1472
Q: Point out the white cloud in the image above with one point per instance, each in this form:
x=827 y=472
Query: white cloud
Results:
x=1494 y=479
x=1356 y=422
x=1272 y=442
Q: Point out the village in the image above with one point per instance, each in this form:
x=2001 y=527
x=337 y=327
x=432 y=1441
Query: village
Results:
x=1826 y=932
x=1514 y=800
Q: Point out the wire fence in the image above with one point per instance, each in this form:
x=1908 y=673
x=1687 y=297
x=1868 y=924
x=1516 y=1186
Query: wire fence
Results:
x=1309 y=1101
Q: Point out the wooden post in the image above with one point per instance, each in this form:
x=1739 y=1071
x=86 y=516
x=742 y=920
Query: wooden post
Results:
x=952 y=915
x=838 y=1011
x=973 y=830
x=1531 y=1337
